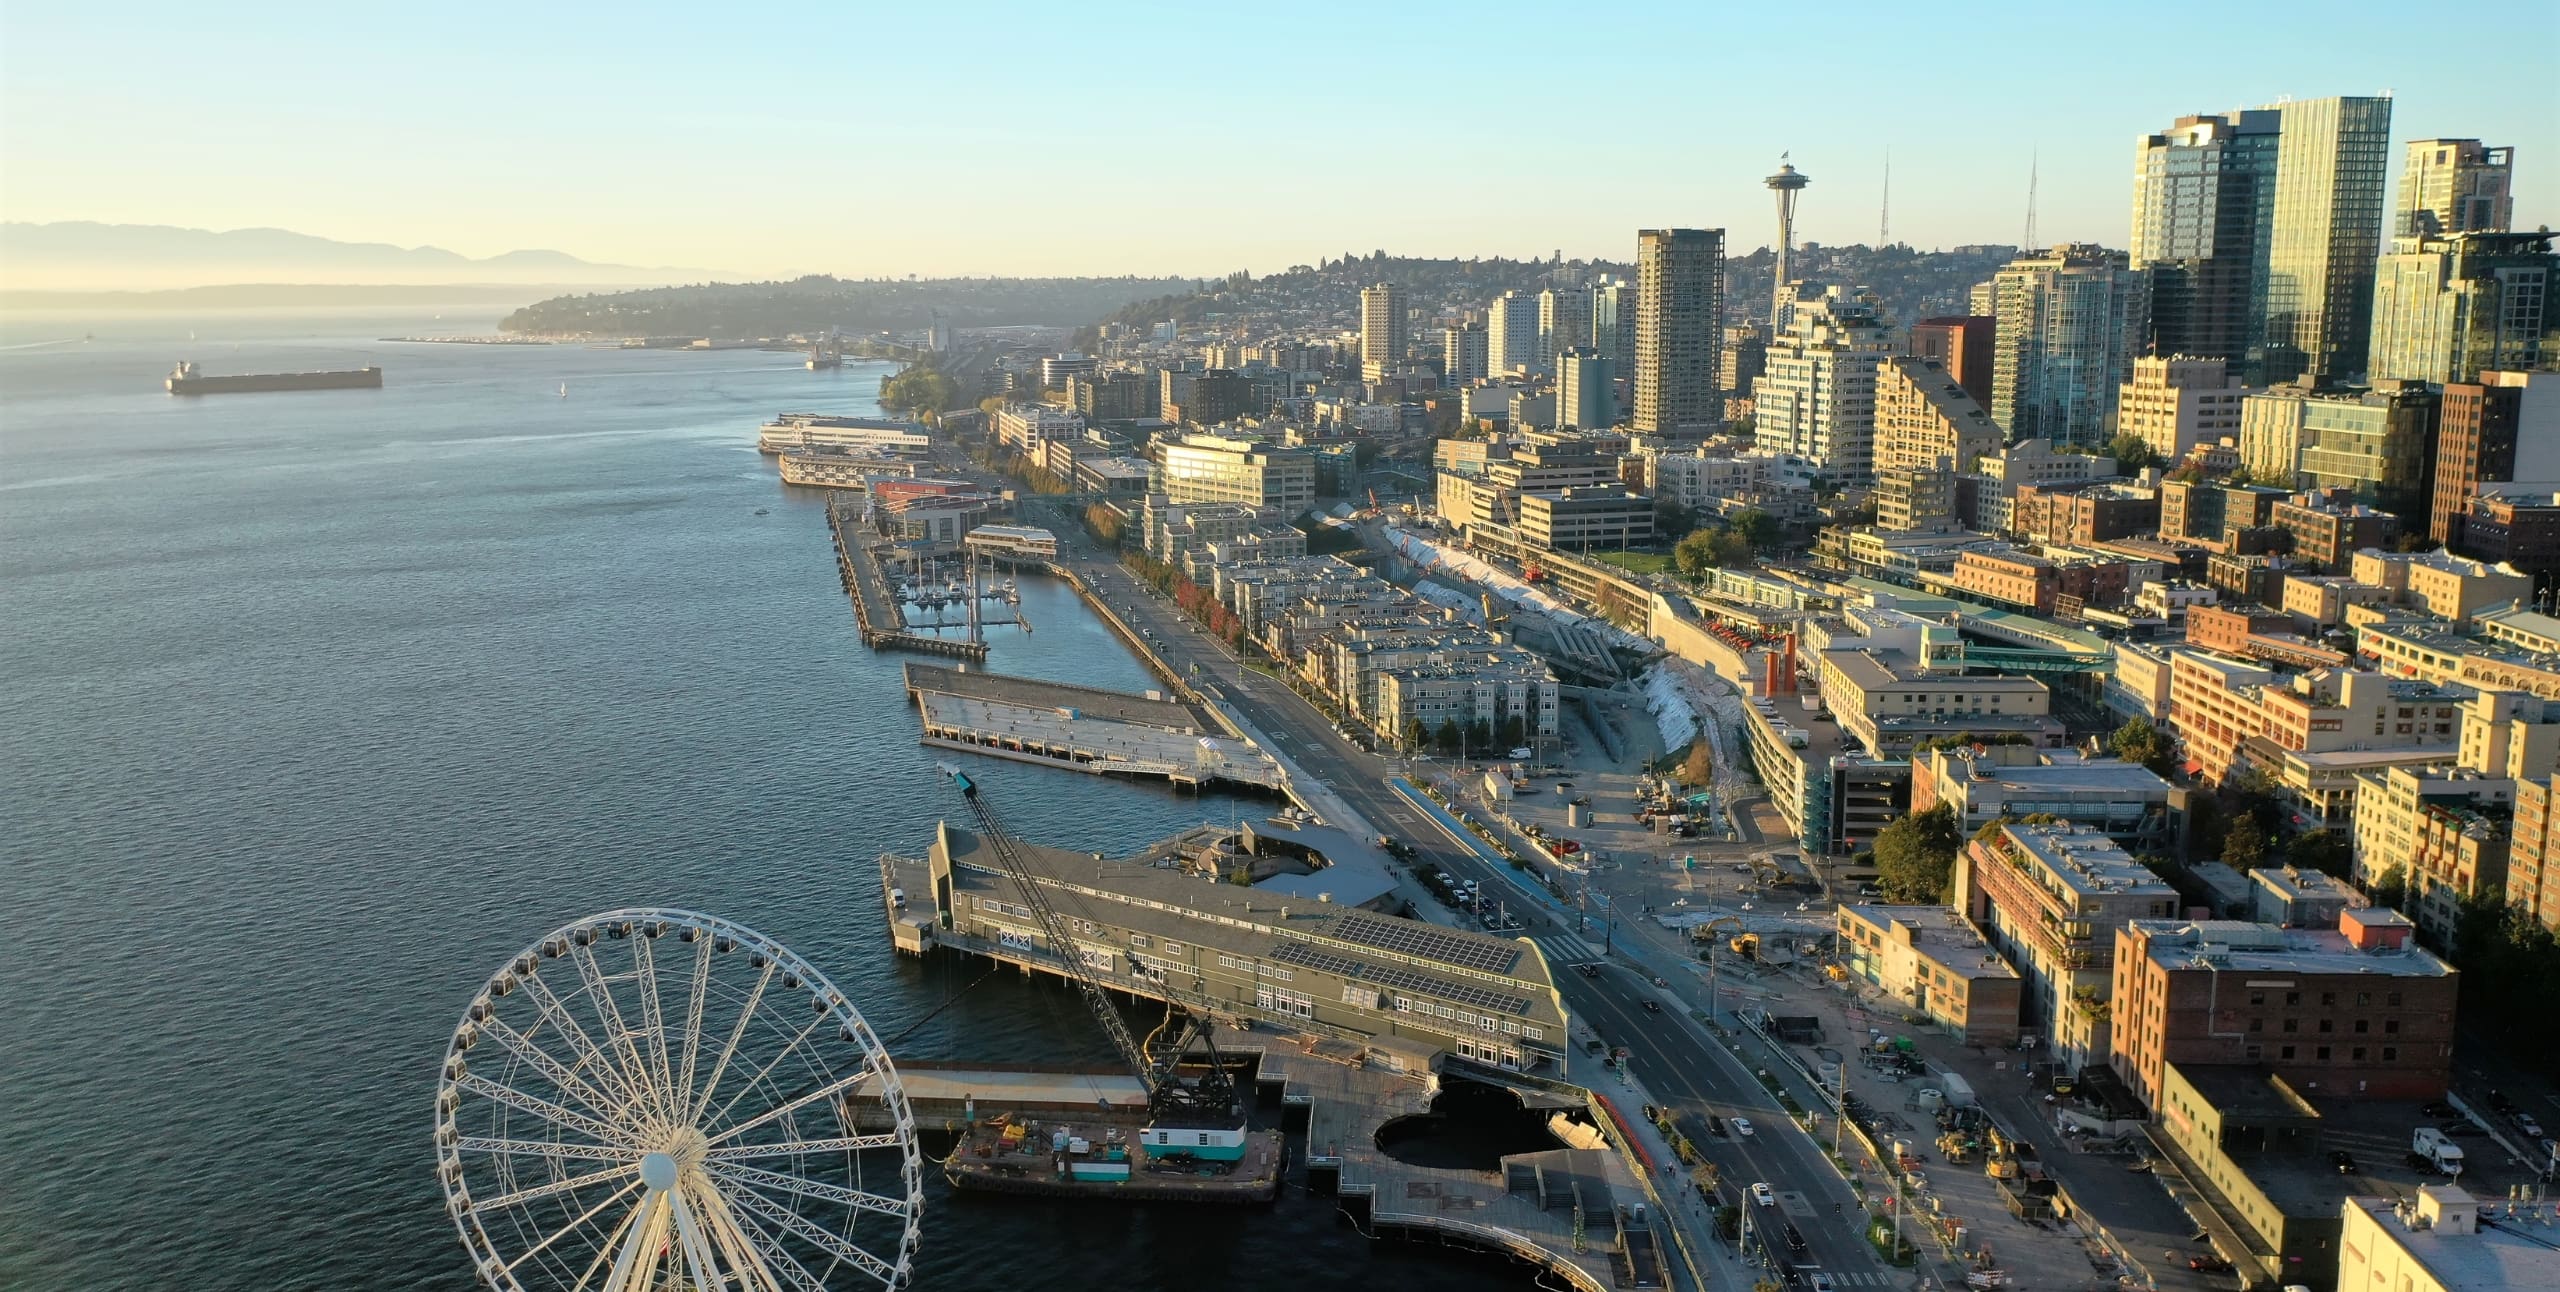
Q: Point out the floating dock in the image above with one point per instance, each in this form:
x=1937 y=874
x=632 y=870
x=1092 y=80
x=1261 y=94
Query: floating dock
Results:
x=1082 y=728
x=875 y=608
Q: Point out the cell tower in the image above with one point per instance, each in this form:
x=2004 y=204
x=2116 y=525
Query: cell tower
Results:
x=1786 y=184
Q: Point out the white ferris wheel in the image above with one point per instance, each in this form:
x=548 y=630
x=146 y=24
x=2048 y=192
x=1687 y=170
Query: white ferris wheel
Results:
x=658 y=1100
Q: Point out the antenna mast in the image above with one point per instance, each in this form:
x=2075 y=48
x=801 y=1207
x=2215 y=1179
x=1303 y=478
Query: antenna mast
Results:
x=1884 y=212
x=2029 y=243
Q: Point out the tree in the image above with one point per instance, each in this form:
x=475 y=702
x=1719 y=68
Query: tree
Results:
x=2244 y=845
x=1916 y=855
x=2137 y=741
x=1757 y=527
x=2321 y=850
x=1695 y=554
x=2133 y=453
x=1670 y=517
x=1448 y=736
x=1699 y=768
x=2391 y=887
x=1415 y=733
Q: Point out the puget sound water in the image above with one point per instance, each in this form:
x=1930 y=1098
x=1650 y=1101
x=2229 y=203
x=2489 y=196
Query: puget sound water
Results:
x=314 y=707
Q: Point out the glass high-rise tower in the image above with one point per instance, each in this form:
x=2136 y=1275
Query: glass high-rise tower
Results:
x=2203 y=195
x=2332 y=161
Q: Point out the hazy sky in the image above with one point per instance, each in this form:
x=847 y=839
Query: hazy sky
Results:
x=1191 y=138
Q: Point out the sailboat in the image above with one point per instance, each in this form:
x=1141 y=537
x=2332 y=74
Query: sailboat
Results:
x=564 y=390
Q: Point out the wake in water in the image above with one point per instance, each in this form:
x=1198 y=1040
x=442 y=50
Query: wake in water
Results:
x=39 y=345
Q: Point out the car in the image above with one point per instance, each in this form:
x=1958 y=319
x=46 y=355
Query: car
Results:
x=2439 y=1108
x=1715 y=1125
x=1742 y=1126
x=1795 y=1239
x=1821 y=1282
x=2526 y=1123
x=1762 y=1193
x=1653 y=1007
x=2461 y=1130
x=2209 y=1263
x=2343 y=1160
x=1590 y=971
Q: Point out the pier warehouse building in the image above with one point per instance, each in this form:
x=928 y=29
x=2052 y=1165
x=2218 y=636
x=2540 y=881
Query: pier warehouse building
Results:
x=1171 y=922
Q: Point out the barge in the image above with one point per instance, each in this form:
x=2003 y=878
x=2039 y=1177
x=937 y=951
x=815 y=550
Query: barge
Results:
x=186 y=380
x=1127 y=1159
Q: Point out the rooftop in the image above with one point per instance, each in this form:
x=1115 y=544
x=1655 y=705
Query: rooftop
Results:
x=2511 y=1256
x=2274 y=948
x=1939 y=935
x=2056 y=772
x=2085 y=860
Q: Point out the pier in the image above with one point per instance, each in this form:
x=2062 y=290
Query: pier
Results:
x=875 y=607
x=1081 y=728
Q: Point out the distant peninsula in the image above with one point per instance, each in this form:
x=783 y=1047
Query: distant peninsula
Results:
x=818 y=302
x=271 y=295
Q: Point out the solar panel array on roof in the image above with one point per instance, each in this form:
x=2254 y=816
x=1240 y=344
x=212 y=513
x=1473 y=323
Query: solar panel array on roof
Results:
x=1334 y=962
x=1414 y=938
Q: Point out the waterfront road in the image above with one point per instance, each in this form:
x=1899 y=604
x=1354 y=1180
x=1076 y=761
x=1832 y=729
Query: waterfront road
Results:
x=1697 y=1077
x=1671 y=1054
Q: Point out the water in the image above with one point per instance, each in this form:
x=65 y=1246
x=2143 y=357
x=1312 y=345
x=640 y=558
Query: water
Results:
x=314 y=707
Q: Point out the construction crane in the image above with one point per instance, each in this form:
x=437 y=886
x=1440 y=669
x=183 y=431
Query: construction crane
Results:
x=1206 y=1103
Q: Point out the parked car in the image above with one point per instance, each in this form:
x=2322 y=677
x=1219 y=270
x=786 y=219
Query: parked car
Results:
x=2439 y=1108
x=2343 y=1160
x=2209 y=1263
x=1742 y=1126
x=1764 y=1195
x=2526 y=1123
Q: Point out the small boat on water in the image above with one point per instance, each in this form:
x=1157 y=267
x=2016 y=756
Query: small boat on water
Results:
x=564 y=390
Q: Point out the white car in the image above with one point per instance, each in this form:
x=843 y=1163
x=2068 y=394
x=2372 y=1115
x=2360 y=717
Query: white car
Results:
x=1741 y=1125
x=1821 y=1283
x=1762 y=1194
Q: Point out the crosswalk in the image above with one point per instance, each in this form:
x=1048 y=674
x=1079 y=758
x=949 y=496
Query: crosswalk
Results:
x=1562 y=948
x=1869 y=1279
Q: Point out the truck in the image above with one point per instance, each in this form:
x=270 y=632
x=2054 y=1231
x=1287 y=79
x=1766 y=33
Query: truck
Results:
x=1959 y=1091
x=2431 y=1148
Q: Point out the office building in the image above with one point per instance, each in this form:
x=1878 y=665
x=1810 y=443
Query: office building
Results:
x=2447 y=309
x=2517 y=524
x=1887 y=701
x=2449 y=587
x=1613 y=322
x=1203 y=398
x=2453 y=186
x=1607 y=517
x=2175 y=404
x=2436 y=1242
x=2203 y=205
x=1113 y=397
x=2498 y=427
x=2355 y=1009
x=2376 y=443
x=1564 y=321
x=2050 y=898
x=2128 y=802
x=1023 y=427
x=1586 y=389
x=1961 y=344
x=1202 y=468
x=1511 y=335
x=2332 y=162
x=1929 y=959
x=2070 y=321
x=1382 y=330
x=1679 y=330
x=1916 y=500
x=1057 y=368
x=1818 y=396
x=1464 y=354
x=1925 y=418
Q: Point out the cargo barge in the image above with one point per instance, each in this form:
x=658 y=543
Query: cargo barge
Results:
x=185 y=380
x=1096 y=1157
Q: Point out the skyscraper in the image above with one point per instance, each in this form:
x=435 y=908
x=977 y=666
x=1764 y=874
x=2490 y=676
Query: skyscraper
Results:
x=1586 y=389
x=1511 y=334
x=1926 y=420
x=1613 y=322
x=2453 y=186
x=1462 y=354
x=1382 y=329
x=2504 y=426
x=1564 y=321
x=1961 y=343
x=2068 y=324
x=2446 y=309
x=1679 y=328
x=1818 y=397
x=2203 y=202
x=2332 y=161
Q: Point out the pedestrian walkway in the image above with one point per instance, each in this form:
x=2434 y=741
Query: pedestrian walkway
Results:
x=1562 y=948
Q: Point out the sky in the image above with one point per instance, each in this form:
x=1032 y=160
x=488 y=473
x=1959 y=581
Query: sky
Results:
x=1192 y=138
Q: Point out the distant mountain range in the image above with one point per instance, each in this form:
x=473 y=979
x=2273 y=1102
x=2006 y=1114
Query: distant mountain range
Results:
x=81 y=256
